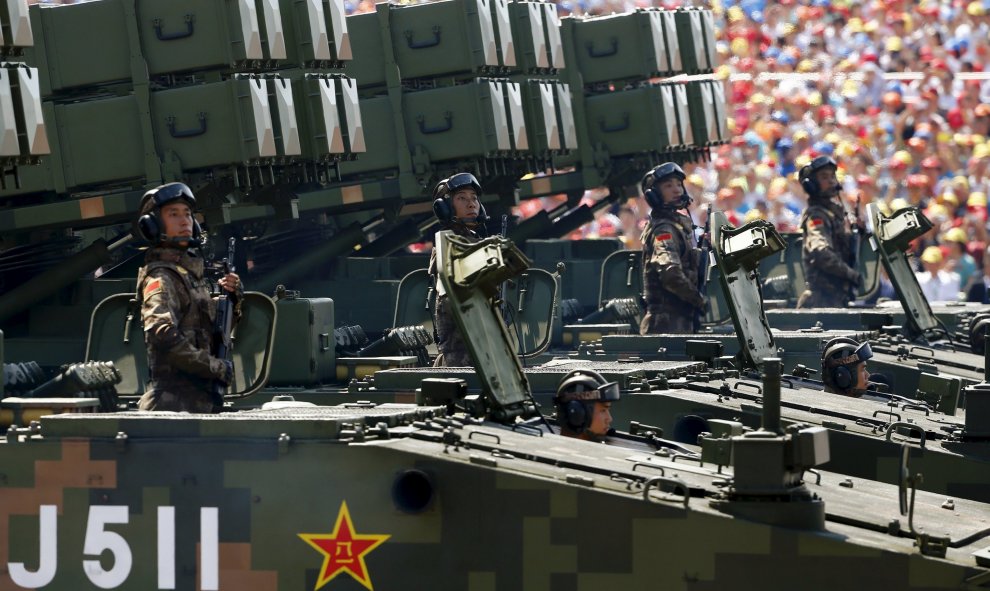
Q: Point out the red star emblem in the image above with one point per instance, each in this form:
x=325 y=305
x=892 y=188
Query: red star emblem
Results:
x=343 y=550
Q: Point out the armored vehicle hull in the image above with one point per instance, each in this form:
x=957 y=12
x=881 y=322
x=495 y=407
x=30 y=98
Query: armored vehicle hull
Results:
x=240 y=501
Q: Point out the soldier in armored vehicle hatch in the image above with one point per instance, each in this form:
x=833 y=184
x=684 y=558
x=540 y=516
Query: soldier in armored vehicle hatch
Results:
x=583 y=402
x=844 y=366
x=457 y=204
x=177 y=311
x=828 y=251
x=670 y=255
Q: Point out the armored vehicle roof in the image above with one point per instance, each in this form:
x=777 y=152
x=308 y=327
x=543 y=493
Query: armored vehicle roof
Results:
x=544 y=378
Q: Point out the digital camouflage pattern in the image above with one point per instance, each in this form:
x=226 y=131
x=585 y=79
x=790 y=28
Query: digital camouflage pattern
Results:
x=825 y=256
x=238 y=502
x=177 y=313
x=453 y=351
x=670 y=261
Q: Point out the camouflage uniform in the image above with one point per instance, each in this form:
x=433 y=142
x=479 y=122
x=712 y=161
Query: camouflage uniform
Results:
x=453 y=350
x=178 y=315
x=670 y=271
x=824 y=255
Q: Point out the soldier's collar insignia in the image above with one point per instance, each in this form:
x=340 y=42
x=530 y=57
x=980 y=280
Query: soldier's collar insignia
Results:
x=181 y=269
x=344 y=550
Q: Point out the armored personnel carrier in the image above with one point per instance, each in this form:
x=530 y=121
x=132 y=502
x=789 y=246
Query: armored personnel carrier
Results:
x=726 y=396
x=176 y=500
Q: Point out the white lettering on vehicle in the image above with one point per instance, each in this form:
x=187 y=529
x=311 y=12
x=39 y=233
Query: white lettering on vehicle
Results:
x=100 y=540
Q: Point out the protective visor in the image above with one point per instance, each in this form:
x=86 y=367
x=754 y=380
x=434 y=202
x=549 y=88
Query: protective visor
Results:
x=862 y=353
x=172 y=192
x=605 y=393
x=461 y=180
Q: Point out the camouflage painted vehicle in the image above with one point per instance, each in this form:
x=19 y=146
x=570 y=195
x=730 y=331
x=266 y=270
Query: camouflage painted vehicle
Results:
x=282 y=497
x=922 y=344
x=302 y=142
x=725 y=397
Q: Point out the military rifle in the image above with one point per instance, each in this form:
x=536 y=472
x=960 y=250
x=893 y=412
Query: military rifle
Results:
x=500 y=297
x=854 y=243
x=223 y=325
x=705 y=249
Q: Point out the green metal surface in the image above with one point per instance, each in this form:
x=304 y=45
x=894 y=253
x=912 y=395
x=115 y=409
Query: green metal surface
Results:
x=116 y=335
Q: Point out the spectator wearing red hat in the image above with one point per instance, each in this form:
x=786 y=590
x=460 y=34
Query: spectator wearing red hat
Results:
x=918 y=192
x=931 y=167
x=893 y=185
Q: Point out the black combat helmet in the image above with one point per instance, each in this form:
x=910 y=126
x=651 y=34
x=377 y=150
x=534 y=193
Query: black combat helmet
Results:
x=659 y=173
x=839 y=361
x=149 y=225
x=446 y=188
x=807 y=174
x=576 y=397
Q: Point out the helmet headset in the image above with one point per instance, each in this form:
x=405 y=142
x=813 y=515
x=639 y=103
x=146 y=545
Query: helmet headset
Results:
x=839 y=359
x=444 y=192
x=150 y=226
x=659 y=173
x=576 y=397
x=807 y=177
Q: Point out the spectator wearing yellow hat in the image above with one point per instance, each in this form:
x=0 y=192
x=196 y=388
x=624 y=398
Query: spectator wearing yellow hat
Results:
x=978 y=167
x=956 y=257
x=937 y=283
x=976 y=206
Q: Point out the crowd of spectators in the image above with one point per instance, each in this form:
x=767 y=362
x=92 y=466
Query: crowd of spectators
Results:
x=894 y=90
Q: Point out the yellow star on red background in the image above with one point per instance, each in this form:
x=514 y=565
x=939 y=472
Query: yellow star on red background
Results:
x=343 y=550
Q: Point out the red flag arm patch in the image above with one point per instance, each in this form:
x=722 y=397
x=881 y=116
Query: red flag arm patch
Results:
x=817 y=221
x=154 y=286
x=664 y=237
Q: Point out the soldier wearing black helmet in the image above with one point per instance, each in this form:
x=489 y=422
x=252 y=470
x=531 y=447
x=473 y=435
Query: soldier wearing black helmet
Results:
x=177 y=311
x=457 y=205
x=844 y=366
x=827 y=249
x=670 y=255
x=583 y=402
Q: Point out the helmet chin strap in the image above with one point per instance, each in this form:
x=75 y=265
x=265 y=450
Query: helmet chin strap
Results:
x=682 y=203
x=471 y=222
x=179 y=241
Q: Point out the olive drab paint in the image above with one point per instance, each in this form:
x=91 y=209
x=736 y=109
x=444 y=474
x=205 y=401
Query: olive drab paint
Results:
x=317 y=138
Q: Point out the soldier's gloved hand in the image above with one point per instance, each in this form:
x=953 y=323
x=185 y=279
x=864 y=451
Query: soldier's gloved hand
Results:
x=223 y=370
x=857 y=280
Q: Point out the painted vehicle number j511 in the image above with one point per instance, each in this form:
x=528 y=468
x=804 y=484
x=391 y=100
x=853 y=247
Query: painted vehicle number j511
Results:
x=99 y=541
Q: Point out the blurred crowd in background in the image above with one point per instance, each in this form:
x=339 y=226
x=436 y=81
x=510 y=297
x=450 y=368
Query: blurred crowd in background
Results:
x=894 y=90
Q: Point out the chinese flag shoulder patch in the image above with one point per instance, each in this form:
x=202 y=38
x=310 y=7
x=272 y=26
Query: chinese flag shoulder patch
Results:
x=664 y=237
x=817 y=221
x=154 y=286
